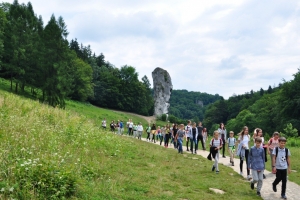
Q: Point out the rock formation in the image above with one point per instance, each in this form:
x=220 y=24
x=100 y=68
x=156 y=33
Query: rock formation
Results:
x=162 y=86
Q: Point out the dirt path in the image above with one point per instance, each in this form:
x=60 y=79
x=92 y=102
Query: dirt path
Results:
x=292 y=191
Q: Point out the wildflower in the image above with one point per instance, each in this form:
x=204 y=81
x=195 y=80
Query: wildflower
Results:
x=11 y=189
x=2 y=189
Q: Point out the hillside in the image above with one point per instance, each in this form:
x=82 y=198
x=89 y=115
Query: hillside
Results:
x=49 y=153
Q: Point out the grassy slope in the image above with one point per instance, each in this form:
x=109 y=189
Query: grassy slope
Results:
x=41 y=145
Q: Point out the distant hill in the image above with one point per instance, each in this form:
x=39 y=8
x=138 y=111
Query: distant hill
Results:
x=190 y=105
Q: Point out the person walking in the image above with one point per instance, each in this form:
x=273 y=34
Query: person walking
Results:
x=148 y=130
x=152 y=134
x=272 y=144
x=215 y=146
x=140 y=131
x=256 y=163
x=243 y=150
x=103 y=124
x=167 y=135
x=205 y=137
x=163 y=133
x=187 y=134
x=193 y=138
x=179 y=137
x=200 y=136
x=223 y=136
x=231 y=146
x=174 y=132
x=281 y=165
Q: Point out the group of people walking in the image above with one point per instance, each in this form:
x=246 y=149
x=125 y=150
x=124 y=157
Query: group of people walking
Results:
x=254 y=157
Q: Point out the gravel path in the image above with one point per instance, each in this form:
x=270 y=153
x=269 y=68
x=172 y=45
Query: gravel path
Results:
x=292 y=192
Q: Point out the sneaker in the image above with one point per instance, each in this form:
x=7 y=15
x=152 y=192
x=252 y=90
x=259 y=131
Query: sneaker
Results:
x=232 y=163
x=264 y=176
x=195 y=152
x=241 y=173
x=224 y=156
x=187 y=150
x=252 y=185
x=213 y=168
x=249 y=177
x=283 y=196
x=274 y=188
x=217 y=172
x=258 y=194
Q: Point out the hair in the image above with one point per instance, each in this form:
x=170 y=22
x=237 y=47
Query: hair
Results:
x=158 y=127
x=275 y=133
x=174 y=126
x=189 y=121
x=282 y=139
x=181 y=126
x=216 y=132
x=242 y=133
x=204 y=129
x=258 y=139
x=221 y=126
x=194 y=124
x=257 y=130
x=231 y=132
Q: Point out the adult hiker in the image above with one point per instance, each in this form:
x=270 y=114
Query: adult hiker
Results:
x=187 y=134
x=167 y=135
x=243 y=150
x=148 y=130
x=200 y=136
x=193 y=138
x=152 y=134
x=223 y=136
x=140 y=131
x=174 y=132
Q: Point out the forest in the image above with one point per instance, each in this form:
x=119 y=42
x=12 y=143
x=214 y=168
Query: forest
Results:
x=39 y=58
x=274 y=109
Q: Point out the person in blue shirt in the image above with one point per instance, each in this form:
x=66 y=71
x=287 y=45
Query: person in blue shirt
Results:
x=256 y=162
x=121 y=126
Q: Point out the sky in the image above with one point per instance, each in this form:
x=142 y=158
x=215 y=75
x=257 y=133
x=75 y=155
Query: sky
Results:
x=219 y=47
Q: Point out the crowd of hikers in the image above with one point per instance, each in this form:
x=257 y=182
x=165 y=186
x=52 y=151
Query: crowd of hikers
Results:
x=255 y=157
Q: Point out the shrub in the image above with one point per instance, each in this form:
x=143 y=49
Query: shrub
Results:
x=164 y=117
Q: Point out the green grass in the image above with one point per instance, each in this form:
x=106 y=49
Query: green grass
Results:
x=48 y=153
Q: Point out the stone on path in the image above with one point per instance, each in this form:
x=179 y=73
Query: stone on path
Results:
x=217 y=191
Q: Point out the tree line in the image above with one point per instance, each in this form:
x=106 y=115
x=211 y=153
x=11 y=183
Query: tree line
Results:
x=274 y=109
x=42 y=60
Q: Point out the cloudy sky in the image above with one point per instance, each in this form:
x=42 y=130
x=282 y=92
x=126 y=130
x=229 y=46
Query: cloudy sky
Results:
x=224 y=47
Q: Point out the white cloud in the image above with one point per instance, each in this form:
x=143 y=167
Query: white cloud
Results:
x=222 y=47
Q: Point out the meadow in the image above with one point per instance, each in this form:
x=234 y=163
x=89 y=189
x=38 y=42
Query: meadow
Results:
x=49 y=153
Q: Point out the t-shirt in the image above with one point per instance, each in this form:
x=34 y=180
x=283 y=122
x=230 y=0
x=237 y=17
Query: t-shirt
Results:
x=130 y=125
x=175 y=131
x=148 y=129
x=180 y=133
x=281 y=162
x=273 y=143
x=231 y=141
x=245 y=141
x=215 y=142
x=121 y=124
x=200 y=129
x=187 y=130
x=168 y=130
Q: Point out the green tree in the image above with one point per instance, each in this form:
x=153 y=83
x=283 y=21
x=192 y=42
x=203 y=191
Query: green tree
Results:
x=289 y=131
x=2 y=28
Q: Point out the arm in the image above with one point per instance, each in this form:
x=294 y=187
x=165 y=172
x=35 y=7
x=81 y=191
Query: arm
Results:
x=273 y=163
x=289 y=164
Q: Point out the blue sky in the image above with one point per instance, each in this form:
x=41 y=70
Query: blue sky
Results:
x=225 y=47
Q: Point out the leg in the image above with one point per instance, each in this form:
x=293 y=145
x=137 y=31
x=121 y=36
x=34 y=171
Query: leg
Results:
x=246 y=157
x=192 y=145
x=216 y=162
x=241 y=165
x=223 y=148
x=260 y=180
x=187 y=143
x=202 y=143
x=255 y=175
x=283 y=181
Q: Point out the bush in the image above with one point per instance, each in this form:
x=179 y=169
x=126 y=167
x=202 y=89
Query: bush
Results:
x=289 y=131
x=164 y=117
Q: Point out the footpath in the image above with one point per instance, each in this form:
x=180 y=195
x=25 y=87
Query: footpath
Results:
x=292 y=192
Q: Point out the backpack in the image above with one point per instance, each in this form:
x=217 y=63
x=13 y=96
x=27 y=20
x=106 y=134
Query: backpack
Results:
x=220 y=142
x=286 y=154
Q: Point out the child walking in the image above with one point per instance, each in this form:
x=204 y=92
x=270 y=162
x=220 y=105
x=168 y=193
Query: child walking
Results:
x=281 y=165
x=231 y=146
x=215 y=146
x=205 y=138
x=256 y=163
x=179 y=137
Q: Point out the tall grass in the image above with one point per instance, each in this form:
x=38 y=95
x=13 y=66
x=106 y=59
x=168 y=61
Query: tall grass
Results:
x=48 y=153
